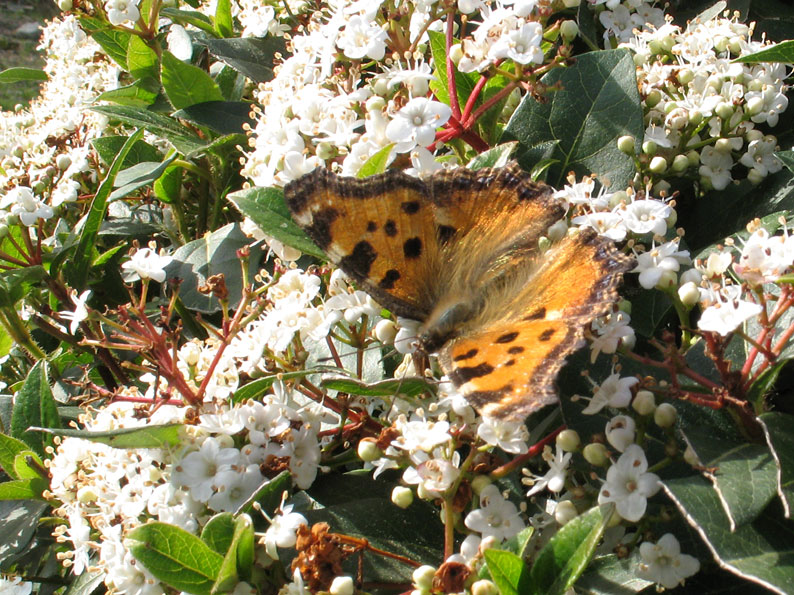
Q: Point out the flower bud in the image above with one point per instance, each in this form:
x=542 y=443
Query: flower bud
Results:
x=571 y=3
x=342 y=585
x=479 y=483
x=691 y=458
x=667 y=280
x=620 y=432
x=695 y=117
x=694 y=158
x=658 y=165
x=326 y=151
x=368 y=450
x=456 y=53
x=385 y=331
x=754 y=106
x=626 y=144
x=689 y=294
x=665 y=415
x=87 y=494
x=484 y=587
x=755 y=177
x=685 y=76
x=380 y=87
x=596 y=454
x=565 y=512
x=423 y=577
x=402 y=496
x=723 y=145
x=680 y=163
x=544 y=244
x=617 y=198
x=649 y=147
x=653 y=98
x=558 y=230
x=644 y=402
x=63 y=161
x=65 y=5
x=376 y=103
x=724 y=110
x=569 y=30
x=569 y=440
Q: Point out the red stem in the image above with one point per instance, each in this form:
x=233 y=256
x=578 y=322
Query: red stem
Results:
x=453 y=88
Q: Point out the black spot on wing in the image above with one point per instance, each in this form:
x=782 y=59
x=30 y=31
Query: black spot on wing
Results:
x=510 y=362
x=468 y=355
x=410 y=206
x=412 y=248
x=547 y=334
x=372 y=226
x=515 y=350
x=320 y=228
x=390 y=227
x=389 y=279
x=358 y=262
x=538 y=314
x=507 y=337
x=463 y=374
x=445 y=233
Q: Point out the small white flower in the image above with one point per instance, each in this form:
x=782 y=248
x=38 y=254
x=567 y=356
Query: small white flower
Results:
x=435 y=476
x=179 y=43
x=510 y=436
x=122 y=11
x=79 y=313
x=629 y=485
x=554 y=479
x=146 y=264
x=416 y=123
x=663 y=562
x=21 y=202
x=521 y=45
x=609 y=225
x=497 y=517
x=716 y=167
x=283 y=530
x=15 y=586
x=421 y=435
x=645 y=216
x=613 y=392
x=765 y=258
x=620 y=432
x=612 y=331
x=200 y=470
x=362 y=37
x=728 y=311
x=651 y=265
x=760 y=156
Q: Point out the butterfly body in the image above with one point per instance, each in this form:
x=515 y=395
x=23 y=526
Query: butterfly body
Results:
x=459 y=252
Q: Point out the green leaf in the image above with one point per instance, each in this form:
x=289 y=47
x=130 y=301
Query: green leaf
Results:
x=266 y=208
x=588 y=30
x=781 y=52
x=28 y=465
x=218 y=532
x=107 y=147
x=743 y=473
x=268 y=494
x=34 y=406
x=223 y=19
x=464 y=81
x=19 y=520
x=779 y=431
x=611 y=575
x=16 y=283
x=154 y=436
x=189 y=17
x=185 y=84
x=216 y=252
x=141 y=59
x=9 y=448
x=175 y=557
x=224 y=117
x=761 y=552
x=240 y=550
x=765 y=384
x=258 y=387
x=566 y=556
x=138 y=176
x=497 y=156
x=79 y=267
x=377 y=163
x=113 y=41
x=169 y=184
x=251 y=56
x=19 y=74
x=86 y=583
x=137 y=94
x=598 y=103
x=787 y=159
x=508 y=571
x=410 y=387
x=24 y=489
x=181 y=137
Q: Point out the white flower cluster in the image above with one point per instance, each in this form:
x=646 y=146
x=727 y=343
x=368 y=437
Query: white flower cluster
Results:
x=621 y=19
x=44 y=148
x=702 y=107
x=106 y=492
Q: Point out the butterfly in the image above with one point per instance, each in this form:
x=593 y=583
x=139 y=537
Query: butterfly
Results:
x=459 y=251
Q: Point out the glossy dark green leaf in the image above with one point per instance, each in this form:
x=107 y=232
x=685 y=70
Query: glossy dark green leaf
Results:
x=781 y=52
x=24 y=489
x=498 y=156
x=779 y=431
x=240 y=552
x=787 y=159
x=107 y=147
x=113 y=41
x=168 y=186
x=10 y=447
x=251 y=56
x=216 y=252
x=266 y=208
x=153 y=436
x=257 y=388
x=411 y=387
x=177 y=134
x=138 y=176
x=16 y=283
x=464 y=81
x=223 y=18
x=137 y=94
x=19 y=74
x=142 y=60
x=218 y=532
x=185 y=84
x=268 y=495
x=761 y=552
x=86 y=583
x=175 y=557
x=79 y=267
x=189 y=17
x=34 y=406
x=611 y=575
x=224 y=117
x=597 y=104
x=19 y=520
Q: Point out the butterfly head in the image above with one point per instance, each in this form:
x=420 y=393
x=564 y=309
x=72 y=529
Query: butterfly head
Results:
x=445 y=323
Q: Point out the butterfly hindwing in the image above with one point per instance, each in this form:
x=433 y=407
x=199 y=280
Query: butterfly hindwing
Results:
x=506 y=362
